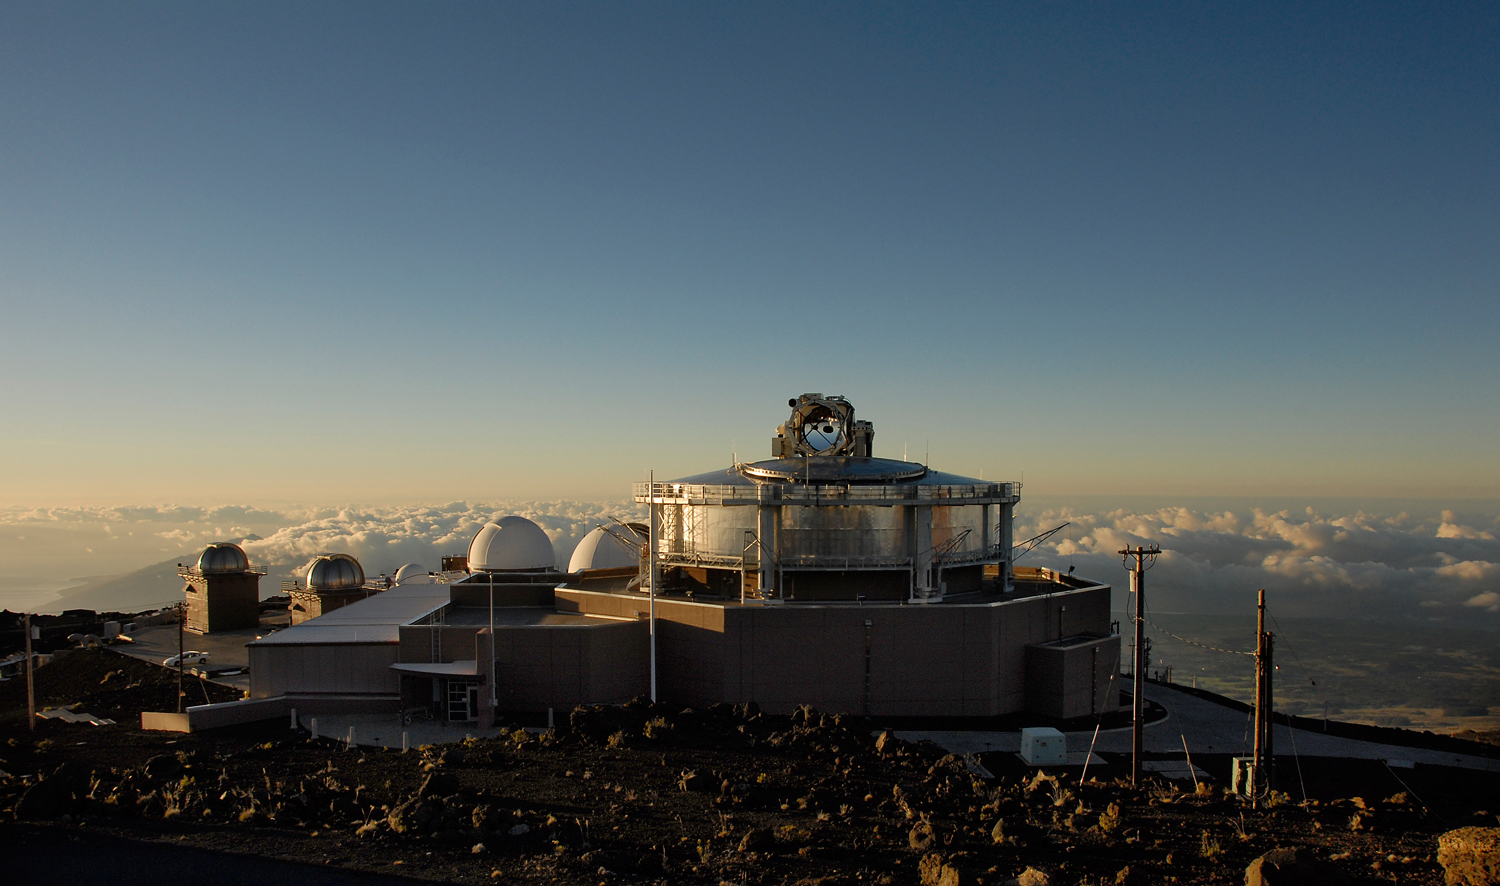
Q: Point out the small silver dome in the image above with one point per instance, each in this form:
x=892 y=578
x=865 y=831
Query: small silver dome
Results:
x=335 y=572
x=221 y=558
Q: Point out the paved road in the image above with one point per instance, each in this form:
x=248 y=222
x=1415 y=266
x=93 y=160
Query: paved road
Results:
x=1211 y=728
x=226 y=649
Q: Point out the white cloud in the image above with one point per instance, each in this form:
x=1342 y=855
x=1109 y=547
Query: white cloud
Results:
x=1358 y=564
x=383 y=539
x=1489 y=600
x=1443 y=566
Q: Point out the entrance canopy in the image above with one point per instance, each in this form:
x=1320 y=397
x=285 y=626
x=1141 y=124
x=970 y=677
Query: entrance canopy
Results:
x=439 y=669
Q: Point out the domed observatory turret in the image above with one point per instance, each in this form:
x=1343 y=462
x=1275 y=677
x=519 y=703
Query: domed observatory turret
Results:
x=511 y=544
x=513 y=557
x=221 y=590
x=332 y=581
x=621 y=546
x=335 y=572
x=223 y=558
x=826 y=520
x=413 y=574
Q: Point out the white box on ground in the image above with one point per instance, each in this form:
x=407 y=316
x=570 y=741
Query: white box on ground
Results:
x=1043 y=746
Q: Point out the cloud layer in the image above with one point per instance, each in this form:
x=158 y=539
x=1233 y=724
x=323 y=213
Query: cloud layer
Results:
x=1441 y=568
x=381 y=538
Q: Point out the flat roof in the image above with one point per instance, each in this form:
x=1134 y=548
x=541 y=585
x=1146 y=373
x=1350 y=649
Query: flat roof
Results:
x=520 y=616
x=375 y=619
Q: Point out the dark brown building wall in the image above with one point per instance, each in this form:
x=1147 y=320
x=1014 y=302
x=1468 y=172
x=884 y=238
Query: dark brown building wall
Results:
x=559 y=666
x=849 y=586
x=478 y=595
x=222 y=602
x=308 y=605
x=936 y=660
x=1073 y=680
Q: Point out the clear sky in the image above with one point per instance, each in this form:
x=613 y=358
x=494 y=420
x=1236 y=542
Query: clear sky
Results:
x=419 y=252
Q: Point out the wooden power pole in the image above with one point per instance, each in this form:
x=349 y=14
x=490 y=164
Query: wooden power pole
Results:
x=1144 y=558
x=1262 y=763
x=181 y=618
x=30 y=684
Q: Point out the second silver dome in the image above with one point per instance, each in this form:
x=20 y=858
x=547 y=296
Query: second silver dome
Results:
x=335 y=572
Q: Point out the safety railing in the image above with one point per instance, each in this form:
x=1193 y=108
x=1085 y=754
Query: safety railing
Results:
x=814 y=495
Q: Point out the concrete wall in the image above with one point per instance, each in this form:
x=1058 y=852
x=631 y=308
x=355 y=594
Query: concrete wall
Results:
x=1073 y=679
x=232 y=713
x=308 y=604
x=478 y=595
x=537 y=666
x=423 y=644
x=937 y=660
x=222 y=602
x=165 y=722
x=561 y=666
x=335 y=668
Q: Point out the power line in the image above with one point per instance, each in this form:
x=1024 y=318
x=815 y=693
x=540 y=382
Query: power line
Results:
x=1195 y=642
x=1294 y=653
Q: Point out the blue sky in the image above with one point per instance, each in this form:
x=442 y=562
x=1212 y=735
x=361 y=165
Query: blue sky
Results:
x=418 y=252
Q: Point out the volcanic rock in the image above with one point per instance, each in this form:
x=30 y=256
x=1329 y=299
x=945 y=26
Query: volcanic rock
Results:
x=1471 y=856
x=1293 y=867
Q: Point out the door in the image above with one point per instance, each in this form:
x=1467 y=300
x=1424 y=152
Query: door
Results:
x=460 y=701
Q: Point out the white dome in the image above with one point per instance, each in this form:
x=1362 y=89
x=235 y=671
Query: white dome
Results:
x=412 y=574
x=602 y=550
x=511 y=544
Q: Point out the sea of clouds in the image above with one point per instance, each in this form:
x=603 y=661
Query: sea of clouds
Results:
x=280 y=543
x=1437 y=568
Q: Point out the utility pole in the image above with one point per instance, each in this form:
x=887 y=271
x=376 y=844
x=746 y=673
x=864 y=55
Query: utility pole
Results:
x=1144 y=558
x=30 y=685
x=181 y=617
x=1262 y=763
x=651 y=554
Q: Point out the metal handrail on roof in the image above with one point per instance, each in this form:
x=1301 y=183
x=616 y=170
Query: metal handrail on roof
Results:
x=798 y=494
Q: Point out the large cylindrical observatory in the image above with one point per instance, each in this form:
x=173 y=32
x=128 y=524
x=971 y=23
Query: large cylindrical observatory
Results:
x=825 y=520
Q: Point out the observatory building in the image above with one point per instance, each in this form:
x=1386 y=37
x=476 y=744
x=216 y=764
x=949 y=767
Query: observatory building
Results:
x=824 y=575
x=222 y=591
x=333 y=582
x=825 y=521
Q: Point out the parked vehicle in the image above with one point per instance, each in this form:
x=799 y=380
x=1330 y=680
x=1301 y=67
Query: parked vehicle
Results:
x=187 y=658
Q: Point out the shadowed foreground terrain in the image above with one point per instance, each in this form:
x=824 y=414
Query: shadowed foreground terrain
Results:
x=652 y=794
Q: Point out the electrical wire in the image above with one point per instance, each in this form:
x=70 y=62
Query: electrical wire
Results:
x=1193 y=642
x=1291 y=731
x=1410 y=791
x=1291 y=650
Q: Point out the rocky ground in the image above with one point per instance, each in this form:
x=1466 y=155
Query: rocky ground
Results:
x=652 y=794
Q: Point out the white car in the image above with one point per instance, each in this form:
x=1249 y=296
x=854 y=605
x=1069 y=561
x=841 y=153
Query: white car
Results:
x=186 y=658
